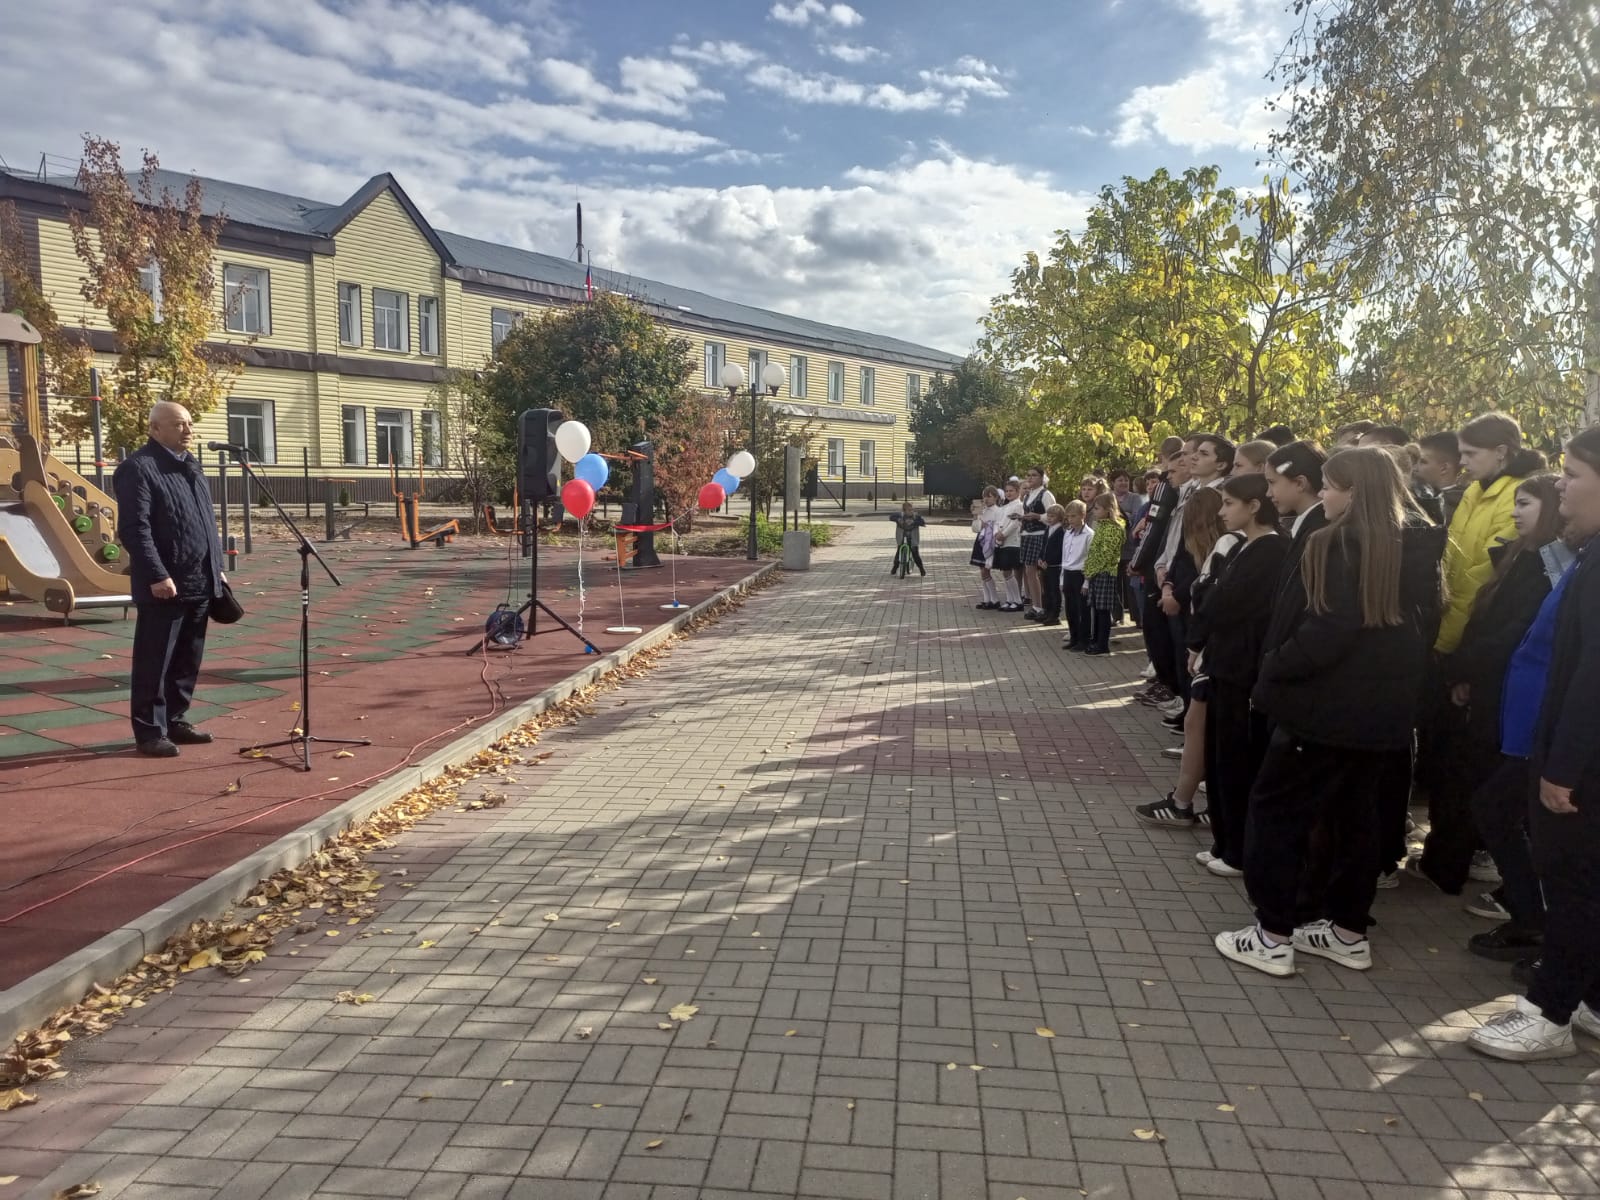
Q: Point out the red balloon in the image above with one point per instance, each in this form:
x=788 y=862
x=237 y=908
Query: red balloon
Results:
x=577 y=497
x=712 y=496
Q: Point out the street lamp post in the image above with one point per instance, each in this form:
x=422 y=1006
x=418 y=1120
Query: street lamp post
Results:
x=733 y=378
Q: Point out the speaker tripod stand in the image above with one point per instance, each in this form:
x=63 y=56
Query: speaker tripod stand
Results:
x=533 y=606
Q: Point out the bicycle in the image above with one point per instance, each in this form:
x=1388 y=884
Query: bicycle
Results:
x=902 y=560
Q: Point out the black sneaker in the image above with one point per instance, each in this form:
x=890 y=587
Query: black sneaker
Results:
x=1166 y=811
x=185 y=734
x=1173 y=723
x=1203 y=818
x=157 y=748
x=1522 y=971
x=1506 y=943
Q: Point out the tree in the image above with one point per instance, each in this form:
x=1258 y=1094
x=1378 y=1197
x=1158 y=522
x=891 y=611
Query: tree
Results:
x=949 y=424
x=1454 y=148
x=476 y=447
x=691 y=446
x=606 y=363
x=148 y=260
x=777 y=430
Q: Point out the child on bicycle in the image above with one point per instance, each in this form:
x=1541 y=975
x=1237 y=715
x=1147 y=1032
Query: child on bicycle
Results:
x=907 y=525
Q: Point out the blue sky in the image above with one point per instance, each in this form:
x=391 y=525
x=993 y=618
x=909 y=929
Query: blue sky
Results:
x=882 y=165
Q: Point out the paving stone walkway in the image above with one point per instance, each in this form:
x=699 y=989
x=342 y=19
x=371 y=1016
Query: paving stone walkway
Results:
x=882 y=844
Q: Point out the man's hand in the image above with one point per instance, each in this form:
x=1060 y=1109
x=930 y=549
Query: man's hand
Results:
x=165 y=590
x=1556 y=798
x=1461 y=694
x=1170 y=605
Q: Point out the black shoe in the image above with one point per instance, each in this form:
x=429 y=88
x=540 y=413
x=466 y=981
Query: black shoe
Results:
x=1049 y=620
x=1522 y=971
x=920 y=571
x=1096 y=650
x=1166 y=811
x=986 y=605
x=1506 y=943
x=185 y=734
x=157 y=748
x=1173 y=723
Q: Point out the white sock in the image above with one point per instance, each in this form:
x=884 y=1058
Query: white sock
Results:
x=990 y=594
x=1013 y=593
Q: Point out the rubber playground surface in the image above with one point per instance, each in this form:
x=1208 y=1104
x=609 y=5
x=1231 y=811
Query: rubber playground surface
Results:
x=392 y=660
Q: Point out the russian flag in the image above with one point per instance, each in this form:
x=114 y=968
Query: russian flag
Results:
x=588 y=282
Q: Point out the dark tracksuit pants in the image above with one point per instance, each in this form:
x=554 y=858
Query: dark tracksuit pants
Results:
x=1050 y=590
x=1304 y=787
x=1158 y=642
x=1500 y=812
x=1566 y=854
x=1236 y=742
x=169 y=639
x=1077 y=605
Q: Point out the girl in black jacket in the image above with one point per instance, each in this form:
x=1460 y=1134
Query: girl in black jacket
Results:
x=1228 y=627
x=1564 y=820
x=1340 y=689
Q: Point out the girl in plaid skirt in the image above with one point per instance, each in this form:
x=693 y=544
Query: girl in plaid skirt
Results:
x=1100 y=571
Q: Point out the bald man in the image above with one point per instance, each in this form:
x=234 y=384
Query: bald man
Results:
x=165 y=521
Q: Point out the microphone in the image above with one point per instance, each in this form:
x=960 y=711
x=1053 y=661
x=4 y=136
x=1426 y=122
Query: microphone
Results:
x=228 y=446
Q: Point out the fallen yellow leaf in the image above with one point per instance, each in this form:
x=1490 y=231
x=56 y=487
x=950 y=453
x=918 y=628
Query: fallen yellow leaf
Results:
x=1475 y=1096
x=655 y=1145
x=1043 y=1032
x=344 y=754
x=790 y=1032
x=1149 y=1135
x=205 y=958
x=1224 y=1108
x=683 y=1012
x=425 y=945
x=16 y=1098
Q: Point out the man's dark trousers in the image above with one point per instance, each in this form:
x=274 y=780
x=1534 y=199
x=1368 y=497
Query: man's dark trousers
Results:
x=169 y=639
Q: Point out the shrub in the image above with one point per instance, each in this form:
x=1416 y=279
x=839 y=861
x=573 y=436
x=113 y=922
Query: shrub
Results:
x=344 y=497
x=769 y=534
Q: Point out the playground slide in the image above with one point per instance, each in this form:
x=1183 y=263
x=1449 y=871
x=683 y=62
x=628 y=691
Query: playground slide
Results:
x=92 y=512
x=42 y=559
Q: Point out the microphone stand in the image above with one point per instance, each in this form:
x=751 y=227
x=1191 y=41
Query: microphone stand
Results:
x=302 y=736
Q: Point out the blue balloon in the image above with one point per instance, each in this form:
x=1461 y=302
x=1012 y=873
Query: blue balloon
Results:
x=728 y=480
x=592 y=469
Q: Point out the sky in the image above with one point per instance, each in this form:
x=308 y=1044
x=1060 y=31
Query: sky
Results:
x=882 y=165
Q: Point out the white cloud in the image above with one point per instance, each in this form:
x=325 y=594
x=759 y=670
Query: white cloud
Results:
x=652 y=85
x=971 y=75
x=1222 y=102
x=801 y=13
x=717 y=54
x=832 y=89
x=848 y=53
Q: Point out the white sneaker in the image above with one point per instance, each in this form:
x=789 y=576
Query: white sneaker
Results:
x=1172 y=752
x=1487 y=906
x=1483 y=869
x=1218 y=867
x=1318 y=938
x=1149 y=671
x=1523 y=1035
x=1247 y=946
x=1172 y=708
x=1201 y=787
x=1204 y=858
x=1586 y=1020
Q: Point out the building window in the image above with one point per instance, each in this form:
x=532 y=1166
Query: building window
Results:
x=835 y=456
x=797 y=376
x=432 y=440
x=355 y=436
x=869 y=457
x=250 y=426
x=716 y=355
x=247 y=297
x=835 y=383
x=758 y=364
x=869 y=385
x=394 y=436
x=428 y=324
x=350 y=314
x=501 y=323
x=391 y=320
x=150 y=285
x=913 y=388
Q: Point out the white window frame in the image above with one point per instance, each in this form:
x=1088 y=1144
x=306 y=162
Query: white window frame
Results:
x=716 y=358
x=353 y=416
x=263 y=449
x=380 y=422
x=869 y=385
x=797 y=376
x=428 y=325
x=836 y=383
x=432 y=435
x=391 y=322
x=913 y=388
x=349 y=314
x=239 y=282
x=150 y=284
x=869 y=457
x=501 y=322
x=757 y=363
x=835 y=457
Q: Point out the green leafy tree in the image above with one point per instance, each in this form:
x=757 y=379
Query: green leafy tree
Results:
x=476 y=448
x=606 y=363
x=1453 y=147
x=949 y=424
x=134 y=232
x=691 y=446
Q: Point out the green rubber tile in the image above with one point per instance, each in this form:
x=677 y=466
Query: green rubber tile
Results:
x=30 y=675
x=32 y=722
x=14 y=745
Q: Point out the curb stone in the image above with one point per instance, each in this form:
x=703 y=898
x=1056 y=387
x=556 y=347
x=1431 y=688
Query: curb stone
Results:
x=44 y=993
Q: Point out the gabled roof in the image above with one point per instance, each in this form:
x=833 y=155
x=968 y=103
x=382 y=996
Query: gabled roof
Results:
x=320 y=221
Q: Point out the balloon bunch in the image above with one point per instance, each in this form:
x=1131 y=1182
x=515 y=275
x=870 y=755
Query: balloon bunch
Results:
x=590 y=470
x=726 y=481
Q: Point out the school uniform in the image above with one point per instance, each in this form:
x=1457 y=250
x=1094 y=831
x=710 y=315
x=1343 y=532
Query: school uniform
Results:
x=1101 y=573
x=1074 y=552
x=1008 y=537
x=1050 y=571
x=1034 y=503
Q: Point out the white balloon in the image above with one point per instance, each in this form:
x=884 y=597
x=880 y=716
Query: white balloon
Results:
x=742 y=464
x=572 y=440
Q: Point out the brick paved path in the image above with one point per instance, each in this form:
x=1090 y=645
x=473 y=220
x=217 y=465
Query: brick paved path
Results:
x=879 y=840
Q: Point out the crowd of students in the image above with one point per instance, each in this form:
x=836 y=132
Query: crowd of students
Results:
x=1334 y=635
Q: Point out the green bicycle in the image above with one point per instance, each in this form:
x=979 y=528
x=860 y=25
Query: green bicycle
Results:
x=902 y=560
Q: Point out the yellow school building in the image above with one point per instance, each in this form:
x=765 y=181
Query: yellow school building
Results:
x=347 y=315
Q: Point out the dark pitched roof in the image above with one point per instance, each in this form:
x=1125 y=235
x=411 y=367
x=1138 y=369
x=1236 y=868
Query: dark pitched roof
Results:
x=284 y=213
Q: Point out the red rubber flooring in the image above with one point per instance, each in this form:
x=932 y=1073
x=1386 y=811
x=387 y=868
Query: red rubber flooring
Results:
x=388 y=663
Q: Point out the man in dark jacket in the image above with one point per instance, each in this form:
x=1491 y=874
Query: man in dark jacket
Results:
x=165 y=521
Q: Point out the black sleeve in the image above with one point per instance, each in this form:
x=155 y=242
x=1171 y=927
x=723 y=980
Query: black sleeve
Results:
x=132 y=486
x=1321 y=639
x=1492 y=637
x=1573 y=746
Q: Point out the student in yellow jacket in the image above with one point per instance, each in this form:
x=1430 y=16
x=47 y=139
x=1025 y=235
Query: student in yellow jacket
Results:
x=1494 y=458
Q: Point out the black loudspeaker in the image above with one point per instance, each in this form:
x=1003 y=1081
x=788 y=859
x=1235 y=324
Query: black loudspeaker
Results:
x=538 y=464
x=640 y=507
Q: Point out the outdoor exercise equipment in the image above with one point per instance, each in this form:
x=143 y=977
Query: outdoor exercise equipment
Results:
x=406 y=504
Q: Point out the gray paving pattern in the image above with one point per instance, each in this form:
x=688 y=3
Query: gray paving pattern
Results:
x=881 y=843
